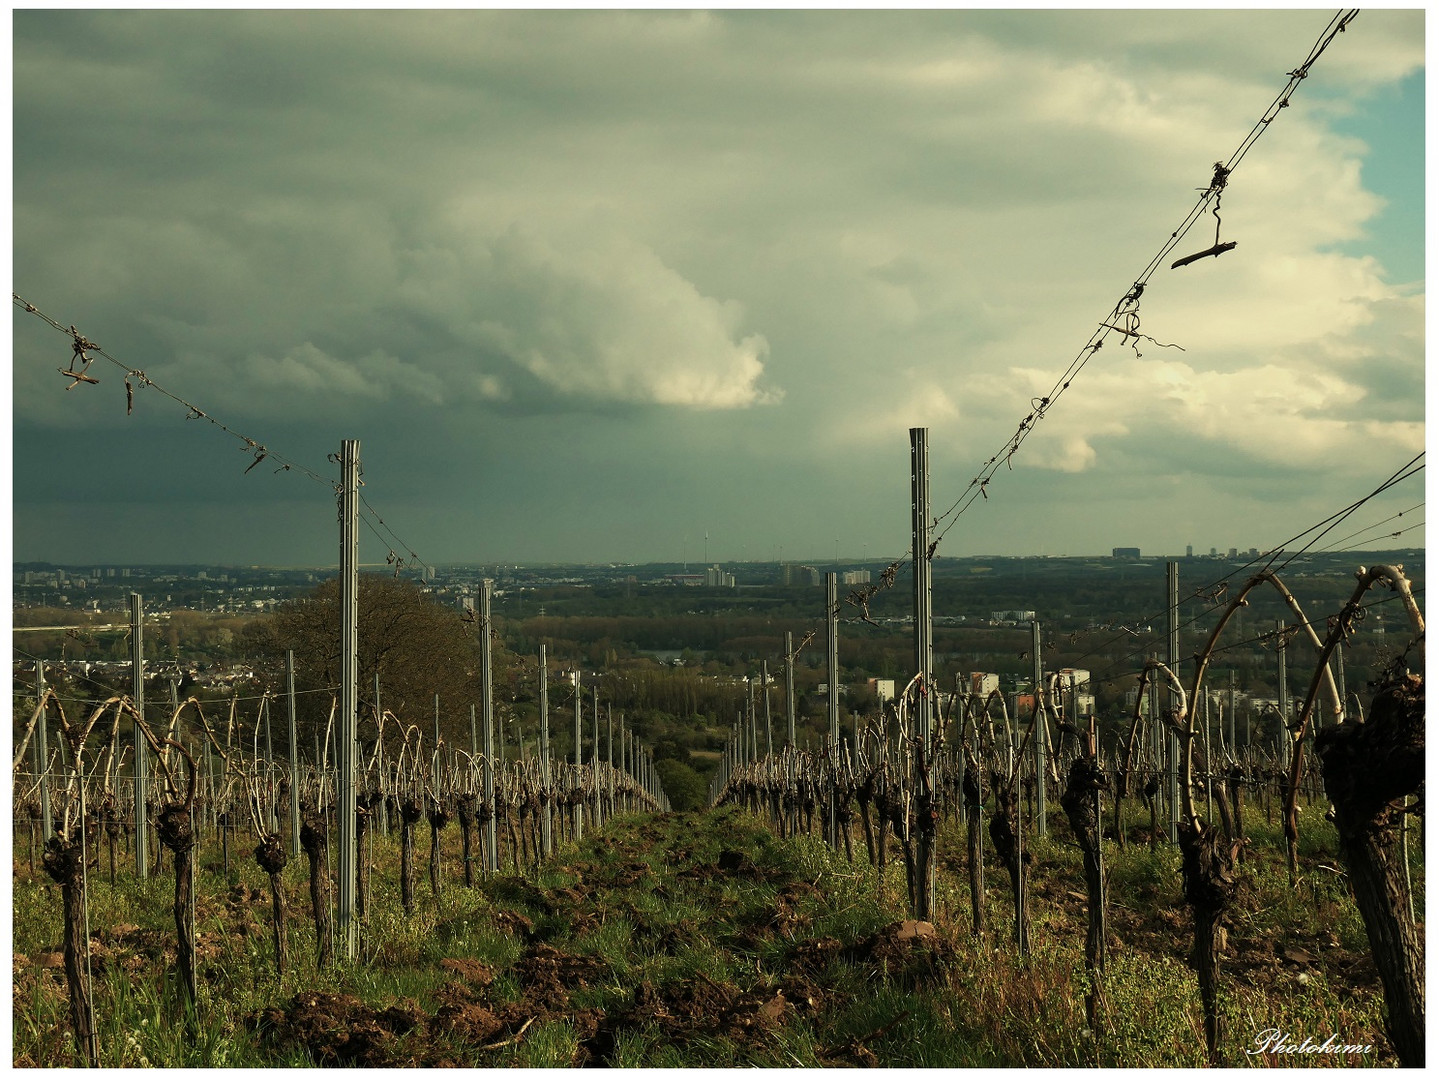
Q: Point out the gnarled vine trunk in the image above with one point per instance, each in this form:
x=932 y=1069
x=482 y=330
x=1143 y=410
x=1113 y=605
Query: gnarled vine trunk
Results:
x=314 y=835
x=1369 y=770
x=64 y=862
x=410 y=812
x=1081 y=804
x=176 y=831
x=272 y=857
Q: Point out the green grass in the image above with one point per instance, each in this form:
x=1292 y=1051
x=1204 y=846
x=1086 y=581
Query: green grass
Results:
x=653 y=927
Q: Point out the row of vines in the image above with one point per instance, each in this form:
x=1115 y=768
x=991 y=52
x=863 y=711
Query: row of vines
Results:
x=980 y=762
x=210 y=785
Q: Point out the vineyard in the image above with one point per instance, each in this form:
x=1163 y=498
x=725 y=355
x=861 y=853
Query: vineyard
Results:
x=1011 y=890
x=988 y=857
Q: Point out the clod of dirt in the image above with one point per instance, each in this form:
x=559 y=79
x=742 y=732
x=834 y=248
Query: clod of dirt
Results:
x=471 y=971
x=547 y=975
x=339 y=1029
x=910 y=949
x=473 y=1023
x=813 y=955
x=630 y=875
x=512 y=922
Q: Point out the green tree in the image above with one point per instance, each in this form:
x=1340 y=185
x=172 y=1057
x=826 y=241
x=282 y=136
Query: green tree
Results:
x=685 y=787
x=418 y=647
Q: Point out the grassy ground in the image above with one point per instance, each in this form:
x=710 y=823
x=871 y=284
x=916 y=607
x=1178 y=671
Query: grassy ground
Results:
x=702 y=939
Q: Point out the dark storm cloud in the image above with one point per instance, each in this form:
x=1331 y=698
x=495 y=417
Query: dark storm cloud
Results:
x=685 y=267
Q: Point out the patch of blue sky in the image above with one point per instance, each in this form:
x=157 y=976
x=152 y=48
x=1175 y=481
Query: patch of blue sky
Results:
x=1391 y=123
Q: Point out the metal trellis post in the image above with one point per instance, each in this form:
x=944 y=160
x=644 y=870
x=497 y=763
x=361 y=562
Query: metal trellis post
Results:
x=1041 y=733
x=546 y=820
x=41 y=751
x=789 y=684
x=294 y=756
x=142 y=756
x=487 y=713
x=923 y=647
x=346 y=734
x=831 y=600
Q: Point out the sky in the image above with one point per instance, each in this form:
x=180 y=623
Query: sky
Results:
x=643 y=286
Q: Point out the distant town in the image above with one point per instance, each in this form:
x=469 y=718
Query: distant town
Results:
x=239 y=590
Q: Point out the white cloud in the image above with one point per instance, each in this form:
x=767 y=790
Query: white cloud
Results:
x=865 y=220
x=308 y=370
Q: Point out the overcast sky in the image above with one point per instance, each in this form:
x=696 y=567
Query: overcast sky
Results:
x=588 y=285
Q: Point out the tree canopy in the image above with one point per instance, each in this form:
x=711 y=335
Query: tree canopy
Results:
x=418 y=647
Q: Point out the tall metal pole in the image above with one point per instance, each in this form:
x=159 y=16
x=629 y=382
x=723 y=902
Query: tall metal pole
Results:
x=1041 y=735
x=831 y=600
x=923 y=656
x=346 y=734
x=379 y=722
x=272 y=812
x=546 y=821
x=1281 y=646
x=768 y=722
x=487 y=712
x=751 y=715
x=789 y=684
x=142 y=754
x=1233 y=717
x=595 y=752
x=42 y=753
x=1172 y=576
x=579 y=814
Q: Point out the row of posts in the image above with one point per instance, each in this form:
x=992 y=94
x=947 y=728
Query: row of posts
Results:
x=744 y=747
x=642 y=765
x=635 y=758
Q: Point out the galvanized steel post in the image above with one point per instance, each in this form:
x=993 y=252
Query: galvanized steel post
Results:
x=546 y=820
x=921 y=556
x=142 y=754
x=42 y=753
x=1041 y=732
x=789 y=684
x=831 y=593
x=487 y=713
x=346 y=735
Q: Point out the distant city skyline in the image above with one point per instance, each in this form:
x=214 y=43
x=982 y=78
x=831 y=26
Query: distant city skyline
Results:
x=592 y=286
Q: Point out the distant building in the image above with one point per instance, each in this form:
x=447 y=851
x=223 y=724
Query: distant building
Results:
x=883 y=689
x=983 y=683
x=1012 y=616
x=854 y=577
x=1189 y=551
x=1074 y=689
x=716 y=578
x=1234 y=553
x=1125 y=553
x=1021 y=705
